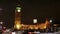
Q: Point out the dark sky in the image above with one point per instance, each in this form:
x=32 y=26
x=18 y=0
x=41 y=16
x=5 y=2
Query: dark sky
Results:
x=40 y=9
x=7 y=12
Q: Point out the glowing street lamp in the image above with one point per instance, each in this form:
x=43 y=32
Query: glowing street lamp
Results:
x=34 y=20
x=1 y=22
x=50 y=21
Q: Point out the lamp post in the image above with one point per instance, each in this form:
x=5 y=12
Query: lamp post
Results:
x=51 y=24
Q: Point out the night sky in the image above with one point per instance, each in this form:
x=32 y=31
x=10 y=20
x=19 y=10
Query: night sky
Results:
x=40 y=9
x=31 y=9
x=8 y=11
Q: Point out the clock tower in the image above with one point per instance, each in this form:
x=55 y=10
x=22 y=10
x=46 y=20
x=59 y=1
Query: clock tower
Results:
x=17 y=24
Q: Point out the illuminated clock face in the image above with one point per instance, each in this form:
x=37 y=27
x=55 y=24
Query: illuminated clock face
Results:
x=18 y=9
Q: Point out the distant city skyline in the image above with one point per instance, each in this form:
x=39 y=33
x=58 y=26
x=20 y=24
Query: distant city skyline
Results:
x=31 y=9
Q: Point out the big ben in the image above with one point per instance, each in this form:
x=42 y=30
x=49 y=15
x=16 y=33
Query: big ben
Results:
x=17 y=24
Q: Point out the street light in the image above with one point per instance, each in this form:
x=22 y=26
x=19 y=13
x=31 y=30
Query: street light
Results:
x=50 y=21
x=1 y=22
x=34 y=20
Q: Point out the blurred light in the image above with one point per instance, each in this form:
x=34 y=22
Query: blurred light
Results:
x=59 y=31
x=19 y=10
x=37 y=32
x=50 y=20
x=1 y=9
x=29 y=32
x=36 y=27
x=55 y=25
x=1 y=22
x=34 y=20
x=45 y=27
x=8 y=30
x=4 y=27
x=18 y=26
x=13 y=32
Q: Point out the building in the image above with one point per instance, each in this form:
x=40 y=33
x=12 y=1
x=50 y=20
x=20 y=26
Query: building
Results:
x=17 y=17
